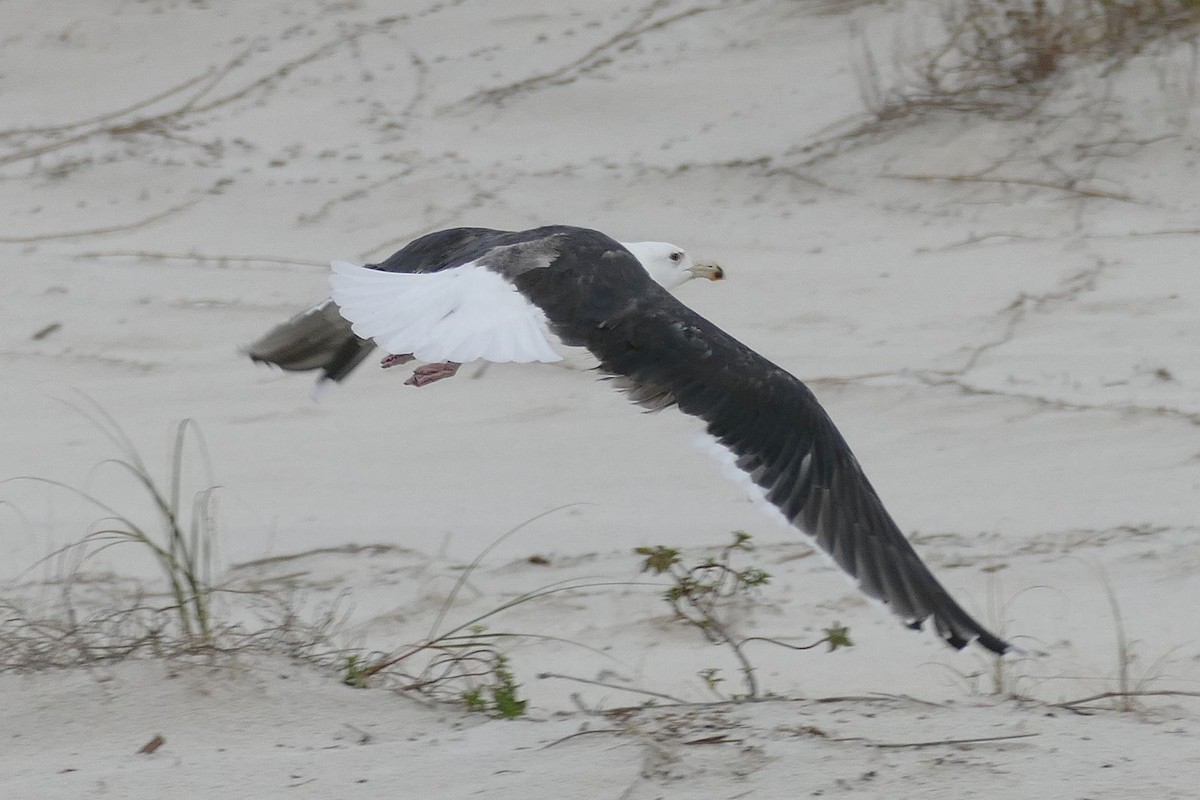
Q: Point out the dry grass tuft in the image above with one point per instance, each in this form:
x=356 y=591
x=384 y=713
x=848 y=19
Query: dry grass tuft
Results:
x=999 y=57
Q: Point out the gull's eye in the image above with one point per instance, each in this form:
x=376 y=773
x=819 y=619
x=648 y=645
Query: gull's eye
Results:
x=676 y=256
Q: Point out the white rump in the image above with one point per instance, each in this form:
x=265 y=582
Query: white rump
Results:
x=458 y=314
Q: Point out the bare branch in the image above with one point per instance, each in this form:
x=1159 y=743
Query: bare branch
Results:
x=946 y=742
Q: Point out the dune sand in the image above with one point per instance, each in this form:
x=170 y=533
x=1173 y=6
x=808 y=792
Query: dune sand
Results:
x=1001 y=314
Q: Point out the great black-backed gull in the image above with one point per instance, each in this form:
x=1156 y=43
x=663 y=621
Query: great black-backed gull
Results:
x=522 y=296
x=320 y=338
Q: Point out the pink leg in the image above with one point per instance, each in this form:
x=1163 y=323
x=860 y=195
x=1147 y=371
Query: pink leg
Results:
x=428 y=373
x=395 y=361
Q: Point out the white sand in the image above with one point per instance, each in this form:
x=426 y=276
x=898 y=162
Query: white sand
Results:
x=1013 y=363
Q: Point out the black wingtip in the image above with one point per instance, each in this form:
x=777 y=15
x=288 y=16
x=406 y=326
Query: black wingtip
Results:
x=982 y=638
x=996 y=645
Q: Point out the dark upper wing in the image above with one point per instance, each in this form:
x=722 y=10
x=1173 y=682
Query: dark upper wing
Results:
x=787 y=444
x=661 y=352
x=441 y=249
x=783 y=439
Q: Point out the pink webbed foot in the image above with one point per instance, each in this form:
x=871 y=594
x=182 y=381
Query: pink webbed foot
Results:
x=428 y=373
x=396 y=360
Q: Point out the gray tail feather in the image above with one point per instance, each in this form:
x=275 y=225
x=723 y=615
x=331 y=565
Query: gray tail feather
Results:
x=319 y=338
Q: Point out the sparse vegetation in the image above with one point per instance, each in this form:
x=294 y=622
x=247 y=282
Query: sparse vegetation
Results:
x=998 y=56
x=463 y=664
x=469 y=669
x=112 y=620
x=1127 y=688
x=700 y=594
x=1005 y=676
x=180 y=537
x=353 y=672
x=498 y=696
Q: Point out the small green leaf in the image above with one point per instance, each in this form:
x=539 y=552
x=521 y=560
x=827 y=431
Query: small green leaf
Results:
x=659 y=559
x=753 y=576
x=353 y=672
x=838 y=636
x=507 y=704
x=711 y=676
x=474 y=700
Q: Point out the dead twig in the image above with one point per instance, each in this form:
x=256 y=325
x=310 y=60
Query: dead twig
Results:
x=593 y=57
x=577 y=734
x=951 y=742
x=127 y=226
x=1034 y=182
x=152 y=745
x=45 y=331
x=1118 y=695
x=111 y=115
x=105 y=125
x=606 y=685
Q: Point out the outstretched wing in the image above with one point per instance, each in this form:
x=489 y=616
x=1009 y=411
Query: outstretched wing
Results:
x=783 y=440
x=456 y=314
x=662 y=353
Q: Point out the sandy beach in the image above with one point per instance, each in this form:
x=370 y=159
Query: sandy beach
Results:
x=999 y=310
